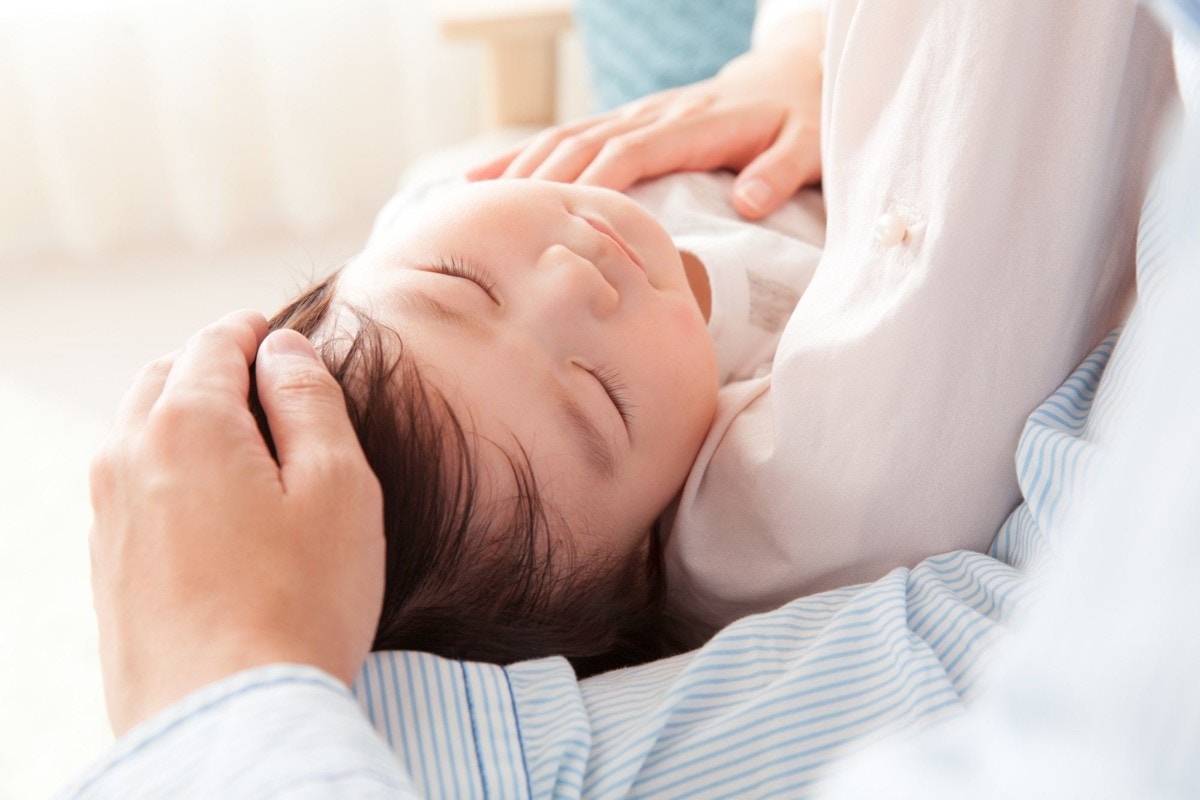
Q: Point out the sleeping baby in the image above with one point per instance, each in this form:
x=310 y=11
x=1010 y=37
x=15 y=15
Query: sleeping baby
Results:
x=532 y=368
x=606 y=425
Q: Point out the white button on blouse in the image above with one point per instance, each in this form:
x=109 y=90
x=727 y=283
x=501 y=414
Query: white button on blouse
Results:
x=891 y=229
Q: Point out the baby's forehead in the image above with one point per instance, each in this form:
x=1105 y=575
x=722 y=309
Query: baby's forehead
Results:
x=510 y=459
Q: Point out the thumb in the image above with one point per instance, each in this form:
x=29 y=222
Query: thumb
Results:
x=304 y=405
x=771 y=179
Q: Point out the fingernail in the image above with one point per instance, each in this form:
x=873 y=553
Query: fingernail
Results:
x=289 y=344
x=756 y=193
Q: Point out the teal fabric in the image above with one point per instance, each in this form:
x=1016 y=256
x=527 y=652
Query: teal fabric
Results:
x=637 y=47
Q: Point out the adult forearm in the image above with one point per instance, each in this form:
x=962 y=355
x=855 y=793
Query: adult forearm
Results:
x=280 y=730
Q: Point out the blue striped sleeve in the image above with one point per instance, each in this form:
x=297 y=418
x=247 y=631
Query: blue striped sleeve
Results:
x=763 y=708
x=283 y=730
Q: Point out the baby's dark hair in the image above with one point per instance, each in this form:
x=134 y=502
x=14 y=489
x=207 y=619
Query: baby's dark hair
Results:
x=458 y=584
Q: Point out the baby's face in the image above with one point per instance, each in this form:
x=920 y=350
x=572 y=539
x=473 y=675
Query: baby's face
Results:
x=554 y=318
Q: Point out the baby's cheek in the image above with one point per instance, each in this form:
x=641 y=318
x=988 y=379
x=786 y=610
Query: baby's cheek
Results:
x=688 y=363
x=695 y=345
x=685 y=325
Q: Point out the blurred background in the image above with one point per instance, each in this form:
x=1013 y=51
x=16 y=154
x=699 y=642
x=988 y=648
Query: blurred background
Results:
x=163 y=162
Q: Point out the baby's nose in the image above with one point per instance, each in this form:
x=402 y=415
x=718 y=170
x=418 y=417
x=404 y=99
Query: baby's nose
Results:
x=575 y=285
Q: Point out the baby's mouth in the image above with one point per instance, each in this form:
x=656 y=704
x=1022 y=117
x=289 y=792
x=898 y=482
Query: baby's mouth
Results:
x=603 y=227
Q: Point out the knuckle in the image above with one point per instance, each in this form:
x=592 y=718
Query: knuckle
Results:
x=625 y=148
x=798 y=132
x=235 y=327
x=102 y=472
x=179 y=418
x=308 y=392
x=689 y=106
x=585 y=141
x=637 y=108
x=650 y=103
x=808 y=128
x=174 y=410
x=214 y=331
x=102 y=464
x=156 y=370
x=306 y=381
x=549 y=138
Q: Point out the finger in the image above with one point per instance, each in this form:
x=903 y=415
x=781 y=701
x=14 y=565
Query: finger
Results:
x=305 y=408
x=543 y=144
x=792 y=160
x=217 y=359
x=143 y=393
x=495 y=167
x=574 y=153
x=650 y=151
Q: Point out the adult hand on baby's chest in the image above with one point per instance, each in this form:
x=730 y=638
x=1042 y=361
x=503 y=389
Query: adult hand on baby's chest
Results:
x=759 y=116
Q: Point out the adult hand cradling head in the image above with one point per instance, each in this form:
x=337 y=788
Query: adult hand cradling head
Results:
x=208 y=555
